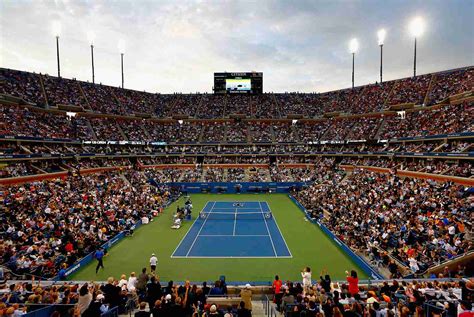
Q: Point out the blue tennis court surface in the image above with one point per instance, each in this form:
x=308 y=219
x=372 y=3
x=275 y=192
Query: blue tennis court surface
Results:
x=233 y=230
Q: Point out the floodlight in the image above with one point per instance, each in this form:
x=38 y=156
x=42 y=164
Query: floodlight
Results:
x=91 y=37
x=417 y=26
x=56 y=28
x=121 y=46
x=381 y=36
x=353 y=46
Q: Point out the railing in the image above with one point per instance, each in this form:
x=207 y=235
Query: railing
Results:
x=114 y=312
x=268 y=307
x=432 y=308
x=65 y=310
x=45 y=310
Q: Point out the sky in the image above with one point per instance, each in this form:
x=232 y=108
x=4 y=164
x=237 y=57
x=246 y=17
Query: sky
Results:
x=176 y=46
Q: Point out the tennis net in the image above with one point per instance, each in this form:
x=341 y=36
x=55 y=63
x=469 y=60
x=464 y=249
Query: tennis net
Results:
x=235 y=215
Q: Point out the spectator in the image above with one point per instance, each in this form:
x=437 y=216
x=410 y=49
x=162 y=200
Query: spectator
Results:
x=142 y=281
x=153 y=262
x=353 y=281
x=276 y=285
x=246 y=296
x=306 y=275
x=242 y=311
x=85 y=298
x=142 y=312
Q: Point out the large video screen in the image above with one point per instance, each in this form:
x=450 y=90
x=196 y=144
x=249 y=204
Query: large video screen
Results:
x=238 y=84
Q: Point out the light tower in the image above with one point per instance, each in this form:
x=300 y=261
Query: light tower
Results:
x=91 y=38
x=381 y=36
x=56 y=32
x=121 y=47
x=417 y=27
x=353 y=47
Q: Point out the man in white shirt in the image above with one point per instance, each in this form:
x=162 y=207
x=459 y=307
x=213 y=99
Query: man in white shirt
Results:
x=153 y=261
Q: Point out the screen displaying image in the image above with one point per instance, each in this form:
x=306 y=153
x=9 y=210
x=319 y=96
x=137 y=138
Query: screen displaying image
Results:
x=237 y=84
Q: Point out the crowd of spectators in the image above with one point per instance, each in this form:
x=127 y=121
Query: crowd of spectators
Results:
x=444 y=120
x=31 y=122
x=61 y=91
x=51 y=223
x=112 y=100
x=451 y=83
x=417 y=222
x=410 y=90
x=397 y=298
x=146 y=295
x=19 y=121
x=22 y=85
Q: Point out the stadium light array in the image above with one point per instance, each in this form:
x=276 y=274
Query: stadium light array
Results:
x=381 y=37
x=417 y=27
x=91 y=38
x=121 y=47
x=353 y=47
x=56 y=26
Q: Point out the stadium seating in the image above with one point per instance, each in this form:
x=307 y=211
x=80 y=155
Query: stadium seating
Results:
x=397 y=155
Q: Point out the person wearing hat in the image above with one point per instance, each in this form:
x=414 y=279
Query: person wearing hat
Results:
x=96 y=307
x=153 y=262
x=246 y=295
x=213 y=311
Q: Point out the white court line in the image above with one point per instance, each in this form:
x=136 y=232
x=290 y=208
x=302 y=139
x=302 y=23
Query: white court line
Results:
x=235 y=221
x=230 y=257
x=189 y=230
x=266 y=225
x=200 y=229
x=281 y=233
x=237 y=208
x=234 y=235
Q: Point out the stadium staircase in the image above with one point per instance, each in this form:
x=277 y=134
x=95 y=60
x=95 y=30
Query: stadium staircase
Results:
x=272 y=134
x=91 y=130
x=122 y=134
x=145 y=131
x=426 y=100
x=379 y=130
x=257 y=309
x=84 y=95
x=389 y=95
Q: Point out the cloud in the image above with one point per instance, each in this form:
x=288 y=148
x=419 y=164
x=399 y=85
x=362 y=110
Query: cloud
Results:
x=177 y=45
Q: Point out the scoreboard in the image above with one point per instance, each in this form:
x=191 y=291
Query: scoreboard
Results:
x=238 y=83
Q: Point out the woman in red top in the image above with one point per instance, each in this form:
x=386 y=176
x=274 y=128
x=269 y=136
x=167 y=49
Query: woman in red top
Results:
x=353 y=281
x=276 y=287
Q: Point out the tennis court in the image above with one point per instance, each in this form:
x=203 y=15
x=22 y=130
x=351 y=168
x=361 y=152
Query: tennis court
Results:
x=226 y=229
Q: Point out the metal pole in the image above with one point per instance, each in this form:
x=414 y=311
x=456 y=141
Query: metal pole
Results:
x=414 y=61
x=353 y=57
x=121 y=58
x=57 y=55
x=381 y=61
x=92 y=57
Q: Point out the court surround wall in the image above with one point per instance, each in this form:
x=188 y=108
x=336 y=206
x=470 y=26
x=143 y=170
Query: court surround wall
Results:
x=369 y=270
